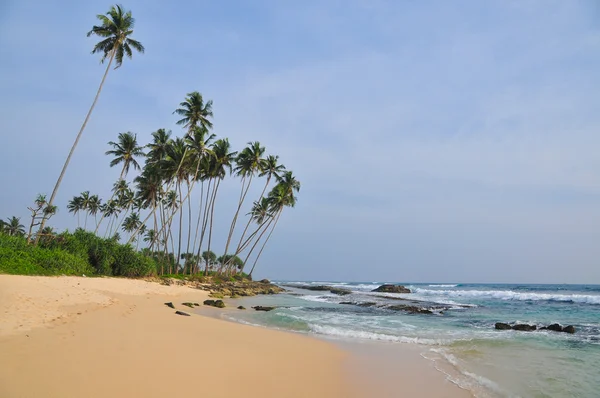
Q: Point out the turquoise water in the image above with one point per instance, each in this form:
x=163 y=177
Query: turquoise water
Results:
x=459 y=336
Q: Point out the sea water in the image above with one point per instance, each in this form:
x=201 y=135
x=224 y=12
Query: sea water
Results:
x=461 y=338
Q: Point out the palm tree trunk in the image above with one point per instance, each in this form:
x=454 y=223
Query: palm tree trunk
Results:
x=111 y=198
x=234 y=221
x=180 y=227
x=212 y=212
x=262 y=195
x=189 y=202
x=197 y=265
x=263 y=246
x=64 y=169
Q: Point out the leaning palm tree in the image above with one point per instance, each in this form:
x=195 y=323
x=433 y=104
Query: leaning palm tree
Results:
x=249 y=162
x=115 y=28
x=125 y=150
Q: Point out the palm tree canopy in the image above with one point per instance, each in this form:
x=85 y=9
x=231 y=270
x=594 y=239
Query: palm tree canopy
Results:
x=221 y=160
x=125 y=150
x=250 y=159
x=272 y=167
x=14 y=227
x=116 y=27
x=158 y=147
x=195 y=112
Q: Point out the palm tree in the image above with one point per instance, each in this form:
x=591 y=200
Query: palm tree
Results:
x=116 y=27
x=249 y=162
x=14 y=227
x=75 y=205
x=158 y=146
x=125 y=151
x=281 y=196
x=94 y=206
x=194 y=112
x=219 y=165
x=271 y=168
x=85 y=205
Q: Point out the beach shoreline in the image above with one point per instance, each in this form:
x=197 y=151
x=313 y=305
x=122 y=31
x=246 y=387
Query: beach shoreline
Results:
x=96 y=337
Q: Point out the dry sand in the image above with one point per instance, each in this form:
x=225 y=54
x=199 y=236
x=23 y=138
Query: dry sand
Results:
x=106 y=337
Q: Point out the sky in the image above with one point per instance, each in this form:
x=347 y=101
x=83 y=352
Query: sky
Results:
x=435 y=141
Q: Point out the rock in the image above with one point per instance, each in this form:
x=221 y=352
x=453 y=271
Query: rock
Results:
x=391 y=289
x=367 y=304
x=216 y=295
x=348 y=302
x=191 y=305
x=524 y=327
x=241 y=307
x=502 y=326
x=569 y=329
x=555 y=327
x=261 y=308
x=196 y=304
x=170 y=305
x=410 y=309
x=339 y=291
x=182 y=313
x=265 y=281
x=215 y=303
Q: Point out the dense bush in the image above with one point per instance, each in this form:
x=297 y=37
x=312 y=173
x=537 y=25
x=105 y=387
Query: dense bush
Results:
x=17 y=257
x=75 y=253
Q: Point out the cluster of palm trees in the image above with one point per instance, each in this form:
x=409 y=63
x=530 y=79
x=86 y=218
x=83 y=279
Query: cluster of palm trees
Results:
x=170 y=169
x=12 y=227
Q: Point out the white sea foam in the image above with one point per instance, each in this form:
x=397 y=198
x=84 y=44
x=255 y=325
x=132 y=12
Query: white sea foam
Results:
x=318 y=299
x=363 y=334
x=443 y=285
x=510 y=295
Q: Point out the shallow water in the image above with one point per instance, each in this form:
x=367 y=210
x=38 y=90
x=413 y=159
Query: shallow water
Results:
x=461 y=338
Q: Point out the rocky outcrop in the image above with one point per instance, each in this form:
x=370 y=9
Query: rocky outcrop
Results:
x=411 y=309
x=569 y=329
x=391 y=289
x=215 y=303
x=170 y=305
x=241 y=307
x=524 y=327
x=323 y=288
x=182 y=313
x=191 y=305
x=360 y=303
x=261 y=308
x=555 y=327
x=240 y=288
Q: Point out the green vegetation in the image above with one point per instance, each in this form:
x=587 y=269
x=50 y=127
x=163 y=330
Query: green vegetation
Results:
x=166 y=212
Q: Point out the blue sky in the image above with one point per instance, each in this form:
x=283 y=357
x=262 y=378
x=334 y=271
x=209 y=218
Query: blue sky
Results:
x=435 y=140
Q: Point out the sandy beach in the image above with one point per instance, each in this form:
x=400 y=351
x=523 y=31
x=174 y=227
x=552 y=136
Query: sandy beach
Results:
x=100 y=337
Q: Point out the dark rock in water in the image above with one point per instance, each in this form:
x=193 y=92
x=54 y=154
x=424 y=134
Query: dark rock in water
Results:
x=215 y=303
x=502 y=326
x=191 y=305
x=241 y=307
x=555 y=327
x=569 y=329
x=182 y=313
x=524 y=327
x=261 y=308
x=339 y=291
x=360 y=304
x=265 y=281
x=410 y=309
x=391 y=289
x=324 y=288
x=170 y=305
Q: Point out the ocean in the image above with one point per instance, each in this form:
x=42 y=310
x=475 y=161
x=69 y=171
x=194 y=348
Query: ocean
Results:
x=459 y=333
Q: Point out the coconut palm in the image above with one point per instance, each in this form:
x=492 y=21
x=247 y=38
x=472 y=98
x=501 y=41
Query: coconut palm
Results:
x=281 y=196
x=75 y=205
x=13 y=227
x=194 y=112
x=125 y=150
x=116 y=28
x=249 y=162
x=158 y=147
x=94 y=206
